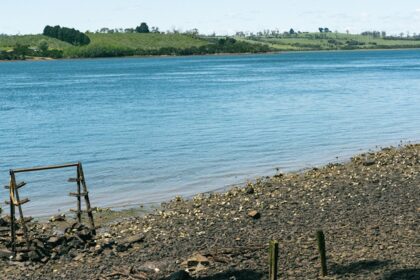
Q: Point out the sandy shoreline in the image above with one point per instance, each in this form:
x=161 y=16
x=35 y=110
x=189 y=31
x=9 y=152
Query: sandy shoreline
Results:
x=367 y=207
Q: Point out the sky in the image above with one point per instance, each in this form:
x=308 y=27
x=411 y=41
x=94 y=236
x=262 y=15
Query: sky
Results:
x=219 y=16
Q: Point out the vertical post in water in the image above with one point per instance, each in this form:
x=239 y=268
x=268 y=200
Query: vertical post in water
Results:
x=12 y=215
x=18 y=203
x=321 y=248
x=273 y=259
x=79 y=201
x=87 y=201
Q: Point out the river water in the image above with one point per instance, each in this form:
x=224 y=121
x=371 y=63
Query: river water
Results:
x=147 y=129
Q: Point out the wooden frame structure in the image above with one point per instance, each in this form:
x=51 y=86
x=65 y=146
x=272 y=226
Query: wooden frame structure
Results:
x=15 y=201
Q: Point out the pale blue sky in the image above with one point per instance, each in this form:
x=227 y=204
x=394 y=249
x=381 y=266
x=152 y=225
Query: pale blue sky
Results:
x=220 y=16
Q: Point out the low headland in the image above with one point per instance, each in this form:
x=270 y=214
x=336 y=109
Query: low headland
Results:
x=61 y=42
x=368 y=209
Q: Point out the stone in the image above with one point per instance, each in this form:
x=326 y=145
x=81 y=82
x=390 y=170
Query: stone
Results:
x=179 y=275
x=197 y=262
x=58 y=218
x=122 y=247
x=54 y=256
x=107 y=243
x=20 y=257
x=34 y=256
x=369 y=162
x=150 y=266
x=78 y=257
x=132 y=239
x=85 y=234
x=55 y=240
x=249 y=189
x=38 y=244
x=5 y=254
x=254 y=214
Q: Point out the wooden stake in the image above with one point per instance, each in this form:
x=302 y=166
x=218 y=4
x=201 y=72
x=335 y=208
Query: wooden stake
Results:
x=273 y=259
x=12 y=215
x=322 y=253
x=87 y=201
x=22 y=218
x=79 y=202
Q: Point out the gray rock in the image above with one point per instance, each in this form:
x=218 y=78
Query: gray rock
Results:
x=5 y=254
x=179 y=275
x=132 y=239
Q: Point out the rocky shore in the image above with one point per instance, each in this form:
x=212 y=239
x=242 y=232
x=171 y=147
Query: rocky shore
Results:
x=368 y=208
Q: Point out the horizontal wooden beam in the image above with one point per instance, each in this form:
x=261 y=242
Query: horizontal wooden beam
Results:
x=77 y=194
x=39 y=168
x=18 y=186
x=23 y=201
x=72 y=180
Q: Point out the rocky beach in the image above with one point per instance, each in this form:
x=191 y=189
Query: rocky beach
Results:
x=368 y=208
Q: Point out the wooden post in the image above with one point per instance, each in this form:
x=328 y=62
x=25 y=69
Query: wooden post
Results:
x=273 y=259
x=79 y=201
x=22 y=218
x=12 y=215
x=321 y=248
x=87 y=201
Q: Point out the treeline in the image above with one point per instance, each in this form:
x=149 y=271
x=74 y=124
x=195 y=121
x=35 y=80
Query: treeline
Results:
x=21 y=52
x=222 y=45
x=276 y=33
x=69 y=35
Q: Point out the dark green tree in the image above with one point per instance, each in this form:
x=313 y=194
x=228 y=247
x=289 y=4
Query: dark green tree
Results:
x=43 y=46
x=291 y=32
x=142 y=28
x=69 y=35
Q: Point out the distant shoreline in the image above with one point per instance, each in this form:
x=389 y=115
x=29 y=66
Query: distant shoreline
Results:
x=38 y=59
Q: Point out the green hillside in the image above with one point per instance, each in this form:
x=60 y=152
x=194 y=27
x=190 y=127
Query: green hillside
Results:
x=131 y=42
x=145 y=40
x=330 y=41
x=116 y=40
x=9 y=42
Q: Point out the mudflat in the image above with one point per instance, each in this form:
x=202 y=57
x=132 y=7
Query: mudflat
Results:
x=368 y=208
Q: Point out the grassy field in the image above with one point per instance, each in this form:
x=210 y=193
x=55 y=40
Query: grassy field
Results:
x=145 y=41
x=331 y=41
x=8 y=42
x=126 y=41
x=126 y=44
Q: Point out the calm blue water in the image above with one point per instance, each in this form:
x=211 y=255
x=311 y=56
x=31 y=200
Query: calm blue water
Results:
x=147 y=129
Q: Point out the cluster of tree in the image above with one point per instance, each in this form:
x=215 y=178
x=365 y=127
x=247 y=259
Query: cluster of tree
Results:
x=216 y=45
x=69 y=35
x=107 y=30
x=143 y=28
x=404 y=36
x=324 y=30
x=285 y=34
x=21 y=52
x=374 y=34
